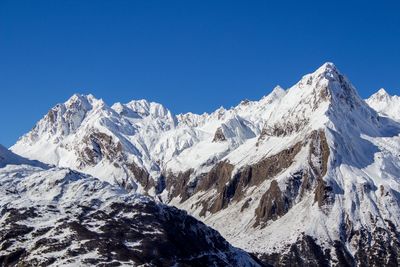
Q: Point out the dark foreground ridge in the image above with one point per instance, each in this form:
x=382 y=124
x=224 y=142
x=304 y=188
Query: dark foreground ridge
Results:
x=59 y=217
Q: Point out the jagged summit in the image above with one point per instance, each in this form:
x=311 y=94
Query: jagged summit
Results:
x=380 y=96
x=319 y=98
x=314 y=160
x=382 y=91
x=278 y=90
x=151 y=137
x=327 y=67
x=385 y=104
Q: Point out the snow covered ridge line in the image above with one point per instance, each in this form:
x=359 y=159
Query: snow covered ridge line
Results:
x=133 y=144
x=59 y=217
x=305 y=176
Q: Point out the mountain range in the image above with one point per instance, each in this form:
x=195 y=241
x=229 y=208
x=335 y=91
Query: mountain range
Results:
x=307 y=176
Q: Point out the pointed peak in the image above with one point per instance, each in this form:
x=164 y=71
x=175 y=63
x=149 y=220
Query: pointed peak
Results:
x=142 y=102
x=276 y=93
x=244 y=102
x=85 y=100
x=278 y=90
x=78 y=96
x=380 y=95
x=326 y=73
x=327 y=70
x=221 y=109
x=382 y=92
x=328 y=65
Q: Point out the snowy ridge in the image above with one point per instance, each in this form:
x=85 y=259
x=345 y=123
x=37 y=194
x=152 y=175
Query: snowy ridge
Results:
x=59 y=217
x=9 y=158
x=76 y=134
x=304 y=176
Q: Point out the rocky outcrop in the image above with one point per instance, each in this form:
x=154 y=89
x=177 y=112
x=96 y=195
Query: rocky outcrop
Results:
x=140 y=175
x=283 y=129
x=219 y=136
x=229 y=187
x=305 y=253
x=272 y=204
x=275 y=203
x=318 y=161
x=96 y=146
x=380 y=247
x=178 y=185
x=85 y=222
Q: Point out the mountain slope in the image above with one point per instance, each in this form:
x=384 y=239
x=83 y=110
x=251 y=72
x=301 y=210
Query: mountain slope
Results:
x=306 y=177
x=130 y=144
x=62 y=217
x=322 y=176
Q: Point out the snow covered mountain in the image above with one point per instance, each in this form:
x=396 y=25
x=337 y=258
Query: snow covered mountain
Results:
x=131 y=144
x=60 y=217
x=385 y=104
x=308 y=176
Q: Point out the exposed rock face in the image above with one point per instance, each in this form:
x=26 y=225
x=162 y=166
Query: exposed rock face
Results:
x=272 y=204
x=283 y=129
x=96 y=146
x=302 y=177
x=219 y=178
x=219 y=135
x=140 y=175
x=230 y=188
x=270 y=166
x=380 y=247
x=62 y=217
x=305 y=252
x=179 y=185
x=318 y=160
x=275 y=203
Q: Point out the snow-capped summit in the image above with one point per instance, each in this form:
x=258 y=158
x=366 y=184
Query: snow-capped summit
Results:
x=385 y=104
x=314 y=170
x=315 y=160
x=277 y=92
x=381 y=94
x=317 y=99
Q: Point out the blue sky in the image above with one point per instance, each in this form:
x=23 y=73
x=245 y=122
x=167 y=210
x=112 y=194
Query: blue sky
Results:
x=188 y=55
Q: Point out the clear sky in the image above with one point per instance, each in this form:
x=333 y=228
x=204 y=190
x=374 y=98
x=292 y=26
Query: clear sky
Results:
x=188 y=55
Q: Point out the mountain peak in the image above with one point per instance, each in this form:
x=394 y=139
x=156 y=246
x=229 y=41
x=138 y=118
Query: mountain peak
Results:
x=385 y=104
x=329 y=81
x=327 y=71
x=278 y=90
x=382 y=91
x=328 y=66
x=380 y=96
x=85 y=101
x=80 y=97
